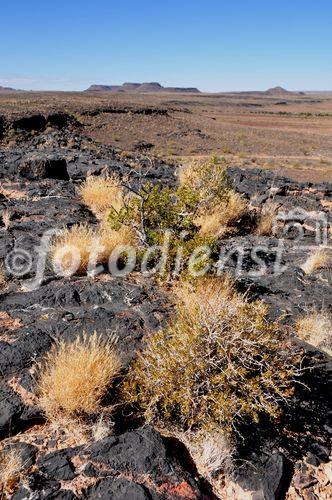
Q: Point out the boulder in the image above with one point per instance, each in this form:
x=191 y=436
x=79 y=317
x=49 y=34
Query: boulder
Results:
x=11 y=408
x=29 y=123
x=44 y=167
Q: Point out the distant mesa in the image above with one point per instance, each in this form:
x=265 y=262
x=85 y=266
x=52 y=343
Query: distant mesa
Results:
x=7 y=89
x=147 y=87
x=280 y=91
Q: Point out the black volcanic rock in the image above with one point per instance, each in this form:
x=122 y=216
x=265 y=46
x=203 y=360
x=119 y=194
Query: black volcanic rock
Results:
x=44 y=167
x=2 y=126
x=135 y=461
x=10 y=408
x=29 y=123
x=118 y=489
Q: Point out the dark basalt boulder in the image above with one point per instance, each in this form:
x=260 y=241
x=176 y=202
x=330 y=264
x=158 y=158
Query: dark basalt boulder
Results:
x=118 y=489
x=266 y=481
x=57 y=465
x=30 y=344
x=61 y=120
x=11 y=408
x=30 y=123
x=2 y=126
x=27 y=452
x=44 y=167
x=41 y=490
x=141 y=451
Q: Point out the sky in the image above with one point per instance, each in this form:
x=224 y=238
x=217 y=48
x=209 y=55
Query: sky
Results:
x=215 y=45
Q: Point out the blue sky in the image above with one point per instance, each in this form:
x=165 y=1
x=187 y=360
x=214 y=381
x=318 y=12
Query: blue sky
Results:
x=216 y=45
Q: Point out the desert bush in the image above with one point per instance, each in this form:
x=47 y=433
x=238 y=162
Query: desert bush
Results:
x=76 y=376
x=100 y=194
x=316 y=329
x=321 y=258
x=194 y=213
x=209 y=180
x=10 y=468
x=219 y=363
x=72 y=249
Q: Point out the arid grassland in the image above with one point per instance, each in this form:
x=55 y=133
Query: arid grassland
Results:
x=288 y=133
x=165 y=296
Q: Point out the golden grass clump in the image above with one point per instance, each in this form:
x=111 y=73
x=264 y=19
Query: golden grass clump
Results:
x=321 y=258
x=219 y=205
x=209 y=178
x=101 y=194
x=266 y=220
x=10 y=467
x=74 y=248
x=220 y=362
x=316 y=329
x=76 y=376
x=227 y=214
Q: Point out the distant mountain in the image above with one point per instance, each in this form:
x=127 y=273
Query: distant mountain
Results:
x=147 y=87
x=7 y=89
x=280 y=91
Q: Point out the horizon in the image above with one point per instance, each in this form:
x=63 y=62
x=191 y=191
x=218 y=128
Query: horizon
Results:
x=4 y=86
x=221 y=47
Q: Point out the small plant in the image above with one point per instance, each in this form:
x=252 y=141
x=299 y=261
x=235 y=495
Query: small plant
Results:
x=316 y=329
x=10 y=468
x=209 y=180
x=192 y=212
x=6 y=219
x=73 y=249
x=228 y=214
x=3 y=279
x=100 y=194
x=219 y=363
x=319 y=259
x=267 y=218
x=75 y=377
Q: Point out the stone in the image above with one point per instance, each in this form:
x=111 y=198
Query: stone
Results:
x=44 y=167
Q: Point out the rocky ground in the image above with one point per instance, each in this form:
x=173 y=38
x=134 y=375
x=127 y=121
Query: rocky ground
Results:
x=40 y=170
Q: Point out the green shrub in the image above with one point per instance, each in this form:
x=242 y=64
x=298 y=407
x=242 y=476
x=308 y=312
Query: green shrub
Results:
x=153 y=209
x=217 y=364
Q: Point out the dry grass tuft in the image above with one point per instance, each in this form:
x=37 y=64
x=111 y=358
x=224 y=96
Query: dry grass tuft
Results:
x=233 y=209
x=319 y=259
x=101 y=194
x=266 y=220
x=10 y=468
x=225 y=215
x=3 y=279
x=220 y=362
x=209 y=178
x=6 y=219
x=316 y=329
x=73 y=248
x=75 y=377
x=212 y=452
